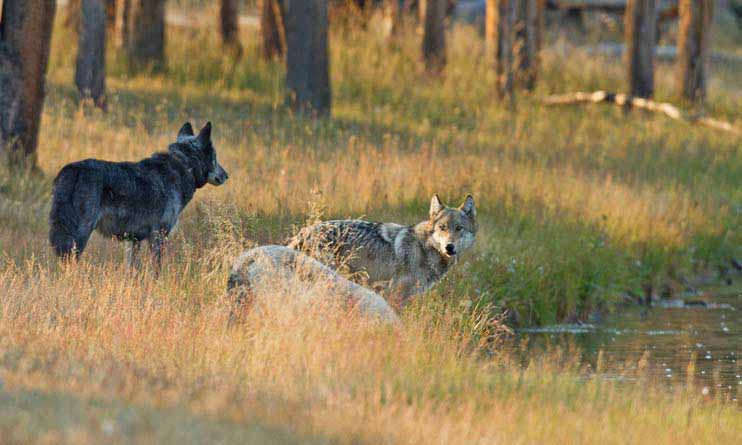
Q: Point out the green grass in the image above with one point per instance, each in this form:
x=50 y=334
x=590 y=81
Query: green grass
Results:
x=577 y=206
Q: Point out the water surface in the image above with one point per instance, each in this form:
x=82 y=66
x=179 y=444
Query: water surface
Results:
x=705 y=331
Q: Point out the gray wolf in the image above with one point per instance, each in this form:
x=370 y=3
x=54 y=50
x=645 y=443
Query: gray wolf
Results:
x=277 y=271
x=131 y=201
x=401 y=261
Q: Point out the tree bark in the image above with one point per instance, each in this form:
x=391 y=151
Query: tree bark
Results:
x=272 y=29
x=90 y=71
x=144 y=42
x=499 y=39
x=121 y=32
x=307 y=60
x=433 y=13
x=72 y=13
x=529 y=20
x=693 y=47
x=111 y=16
x=25 y=35
x=228 y=25
x=640 y=25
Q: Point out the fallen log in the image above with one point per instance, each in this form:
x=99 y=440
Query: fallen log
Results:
x=625 y=100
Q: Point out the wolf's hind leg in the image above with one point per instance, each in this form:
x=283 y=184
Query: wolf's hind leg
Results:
x=156 y=244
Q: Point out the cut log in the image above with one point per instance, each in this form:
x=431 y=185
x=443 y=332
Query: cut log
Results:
x=627 y=101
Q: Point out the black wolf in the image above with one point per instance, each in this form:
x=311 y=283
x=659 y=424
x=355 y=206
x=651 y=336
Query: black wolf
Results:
x=131 y=201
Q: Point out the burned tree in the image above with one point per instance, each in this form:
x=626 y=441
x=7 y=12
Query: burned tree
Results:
x=693 y=47
x=499 y=35
x=307 y=59
x=640 y=25
x=143 y=33
x=228 y=25
x=90 y=69
x=433 y=15
x=25 y=35
x=527 y=27
x=272 y=29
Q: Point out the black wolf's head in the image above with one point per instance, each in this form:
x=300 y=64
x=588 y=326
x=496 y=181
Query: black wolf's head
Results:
x=200 y=155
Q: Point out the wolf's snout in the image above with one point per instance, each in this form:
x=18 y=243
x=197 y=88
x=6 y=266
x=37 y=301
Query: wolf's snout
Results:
x=218 y=178
x=450 y=249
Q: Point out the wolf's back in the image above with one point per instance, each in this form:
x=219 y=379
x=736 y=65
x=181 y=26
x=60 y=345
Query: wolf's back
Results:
x=65 y=218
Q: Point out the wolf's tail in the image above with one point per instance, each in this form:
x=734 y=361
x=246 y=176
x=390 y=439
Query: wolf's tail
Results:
x=67 y=231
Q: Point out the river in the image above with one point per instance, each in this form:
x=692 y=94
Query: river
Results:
x=664 y=340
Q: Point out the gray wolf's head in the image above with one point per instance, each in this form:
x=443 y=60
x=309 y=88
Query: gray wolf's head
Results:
x=453 y=229
x=200 y=154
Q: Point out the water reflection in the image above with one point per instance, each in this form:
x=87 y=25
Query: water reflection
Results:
x=670 y=342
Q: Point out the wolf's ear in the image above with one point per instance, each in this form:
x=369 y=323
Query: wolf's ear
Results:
x=435 y=206
x=205 y=135
x=468 y=207
x=185 y=131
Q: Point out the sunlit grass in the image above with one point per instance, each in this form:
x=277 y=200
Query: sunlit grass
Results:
x=576 y=207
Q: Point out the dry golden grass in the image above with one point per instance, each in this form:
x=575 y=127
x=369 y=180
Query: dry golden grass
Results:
x=576 y=206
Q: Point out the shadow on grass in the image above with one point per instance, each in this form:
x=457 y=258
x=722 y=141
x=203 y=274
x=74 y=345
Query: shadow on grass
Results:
x=28 y=416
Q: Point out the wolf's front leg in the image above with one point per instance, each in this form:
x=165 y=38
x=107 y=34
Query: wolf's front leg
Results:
x=133 y=248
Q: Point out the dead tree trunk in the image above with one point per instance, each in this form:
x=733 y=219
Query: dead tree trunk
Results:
x=693 y=47
x=529 y=18
x=144 y=42
x=307 y=60
x=272 y=29
x=90 y=70
x=228 y=25
x=499 y=35
x=640 y=25
x=433 y=13
x=25 y=34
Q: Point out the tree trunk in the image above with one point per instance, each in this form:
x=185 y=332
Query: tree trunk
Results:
x=72 y=13
x=90 y=71
x=307 y=60
x=144 y=42
x=693 y=45
x=25 y=34
x=527 y=41
x=228 y=25
x=499 y=36
x=121 y=32
x=640 y=25
x=110 y=17
x=272 y=29
x=433 y=13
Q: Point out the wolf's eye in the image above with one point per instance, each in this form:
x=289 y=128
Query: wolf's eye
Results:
x=459 y=228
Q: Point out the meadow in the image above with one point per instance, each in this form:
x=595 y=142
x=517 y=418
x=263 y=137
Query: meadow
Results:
x=578 y=208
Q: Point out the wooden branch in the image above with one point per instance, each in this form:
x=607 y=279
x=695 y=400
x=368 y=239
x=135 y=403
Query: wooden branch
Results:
x=624 y=100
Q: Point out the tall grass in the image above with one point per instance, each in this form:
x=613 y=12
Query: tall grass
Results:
x=576 y=207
